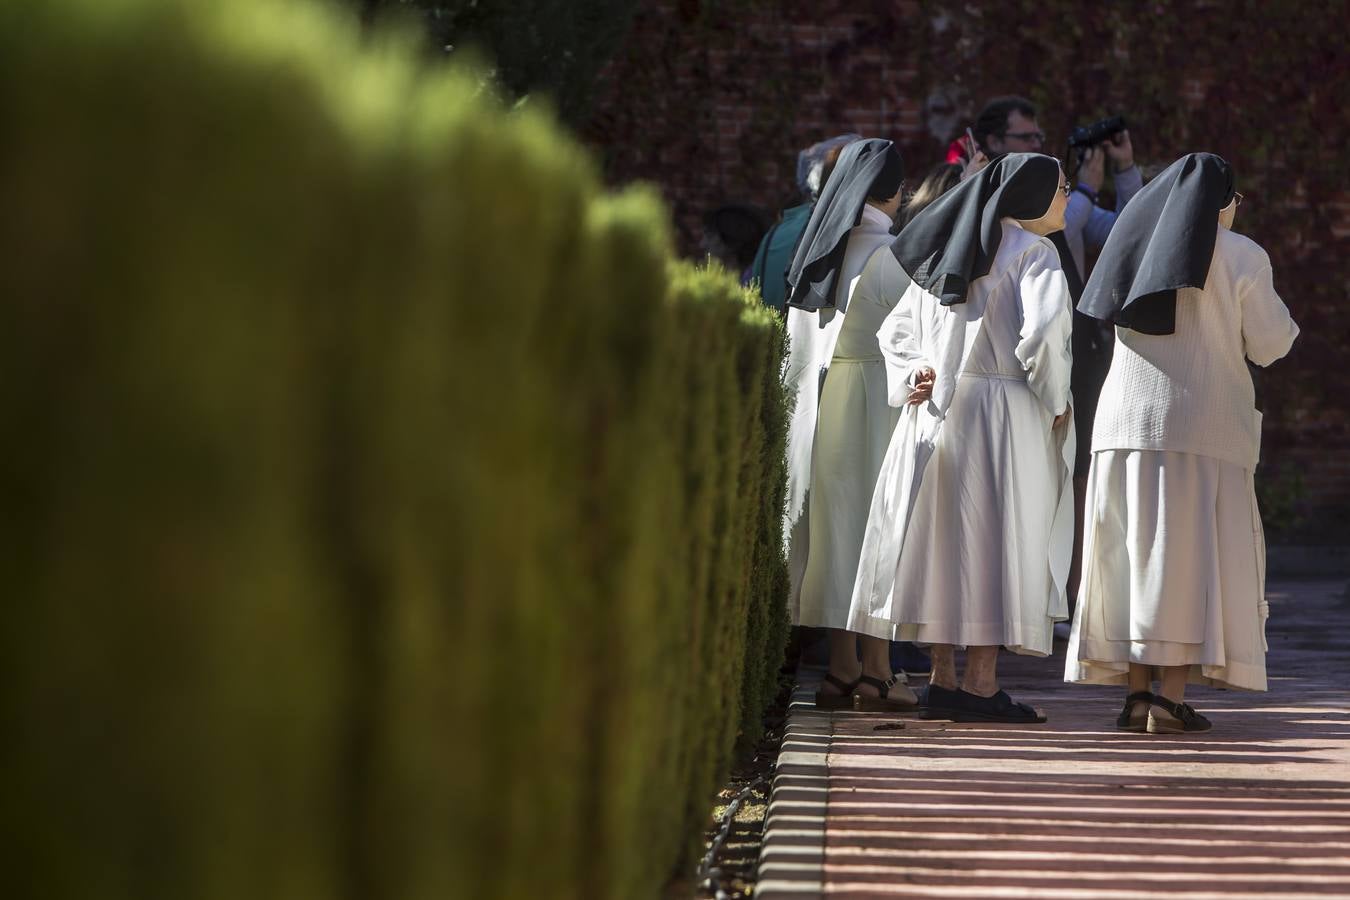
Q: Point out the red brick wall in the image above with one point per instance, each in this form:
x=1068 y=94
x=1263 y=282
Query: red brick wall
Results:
x=715 y=108
x=712 y=101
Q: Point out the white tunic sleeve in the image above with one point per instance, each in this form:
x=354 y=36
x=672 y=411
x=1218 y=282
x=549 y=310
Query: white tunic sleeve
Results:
x=1267 y=329
x=1047 y=325
x=901 y=334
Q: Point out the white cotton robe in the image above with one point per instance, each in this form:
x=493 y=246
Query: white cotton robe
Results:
x=1173 y=549
x=971 y=526
x=854 y=429
x=812 y=337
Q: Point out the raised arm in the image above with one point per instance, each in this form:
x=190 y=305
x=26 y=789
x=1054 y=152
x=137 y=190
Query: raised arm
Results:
x=1086 y=222
x=1128 y=183
x=1268 y=331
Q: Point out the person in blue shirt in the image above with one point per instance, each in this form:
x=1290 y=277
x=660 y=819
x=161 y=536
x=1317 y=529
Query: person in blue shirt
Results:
x=1008 y=125
x=1086 y=223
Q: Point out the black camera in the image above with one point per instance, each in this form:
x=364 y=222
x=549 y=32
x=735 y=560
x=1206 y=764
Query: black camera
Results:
x=1083 y=137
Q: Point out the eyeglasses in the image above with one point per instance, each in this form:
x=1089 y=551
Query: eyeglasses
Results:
x=1025 y=135
x=1237 y=198
x=1065 y=189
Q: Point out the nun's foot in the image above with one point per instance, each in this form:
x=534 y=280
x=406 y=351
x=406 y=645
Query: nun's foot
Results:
x=1134 y=717
x=1167 y=717
x=996 y=708
x=835 y=693
x=940 y=702
x=875 y=695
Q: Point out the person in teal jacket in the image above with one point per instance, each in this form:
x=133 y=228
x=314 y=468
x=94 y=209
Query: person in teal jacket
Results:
x=769 y=270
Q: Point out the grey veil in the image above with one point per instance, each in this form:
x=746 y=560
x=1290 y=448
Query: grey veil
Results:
x=866 y=168
x=953 y=241
x=1162 y=241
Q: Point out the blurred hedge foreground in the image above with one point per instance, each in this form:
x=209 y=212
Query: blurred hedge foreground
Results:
x=386 y=513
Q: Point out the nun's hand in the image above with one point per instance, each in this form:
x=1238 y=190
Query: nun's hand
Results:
x=923 y=386
x=1062 y=418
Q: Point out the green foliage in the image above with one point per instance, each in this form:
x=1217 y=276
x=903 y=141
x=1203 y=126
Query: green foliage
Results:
x=554 y=46
x=1279 y=495
x=387 y=515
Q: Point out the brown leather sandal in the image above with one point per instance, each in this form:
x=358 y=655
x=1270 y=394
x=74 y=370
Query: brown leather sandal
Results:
x=884 y=702
x=841 y=700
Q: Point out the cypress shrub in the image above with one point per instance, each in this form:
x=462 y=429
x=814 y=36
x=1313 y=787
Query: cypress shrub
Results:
x=387 y=513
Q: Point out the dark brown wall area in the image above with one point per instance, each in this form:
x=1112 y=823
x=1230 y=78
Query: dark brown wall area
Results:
x=711 y=101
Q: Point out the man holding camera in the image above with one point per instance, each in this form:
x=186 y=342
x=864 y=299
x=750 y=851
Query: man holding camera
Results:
x=1087 y=224
x=1008 y=125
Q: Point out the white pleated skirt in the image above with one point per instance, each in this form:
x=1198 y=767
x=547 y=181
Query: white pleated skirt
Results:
x=986 y=554
x=1173 y=571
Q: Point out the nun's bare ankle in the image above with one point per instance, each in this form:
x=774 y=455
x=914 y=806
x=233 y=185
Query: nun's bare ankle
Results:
x=943 y=674
x=871 y=670
x=980 y=689
x=845 y=672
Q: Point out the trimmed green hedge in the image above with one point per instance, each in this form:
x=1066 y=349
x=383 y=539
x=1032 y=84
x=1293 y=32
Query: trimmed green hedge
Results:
x=386 y=513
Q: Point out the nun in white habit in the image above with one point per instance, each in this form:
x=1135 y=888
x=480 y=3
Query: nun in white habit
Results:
x=1173 y=552
x=841 y=423
x=970 y=531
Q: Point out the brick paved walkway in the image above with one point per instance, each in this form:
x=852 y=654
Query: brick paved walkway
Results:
x=1259 y=807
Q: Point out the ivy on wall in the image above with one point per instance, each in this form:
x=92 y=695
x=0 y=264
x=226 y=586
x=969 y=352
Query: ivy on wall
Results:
x=1263 y=85
x=712 y=101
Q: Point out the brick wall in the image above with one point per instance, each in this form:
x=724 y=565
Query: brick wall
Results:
x=713 y=101
x=715 y=108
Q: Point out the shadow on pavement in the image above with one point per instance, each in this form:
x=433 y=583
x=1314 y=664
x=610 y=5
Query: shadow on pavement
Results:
x=1258 y=807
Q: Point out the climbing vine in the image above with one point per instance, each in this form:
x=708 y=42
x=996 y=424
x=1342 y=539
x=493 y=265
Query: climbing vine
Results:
x=1264 y=86
x=712 y=101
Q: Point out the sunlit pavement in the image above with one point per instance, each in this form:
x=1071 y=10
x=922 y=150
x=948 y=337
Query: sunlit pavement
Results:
x=1258 y=807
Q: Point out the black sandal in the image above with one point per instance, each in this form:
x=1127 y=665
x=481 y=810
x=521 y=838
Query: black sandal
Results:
x=1126 y=722
x=883 y=702
x=841 y=700
x=1185 y=718
x=998 y=708
x=940 y=703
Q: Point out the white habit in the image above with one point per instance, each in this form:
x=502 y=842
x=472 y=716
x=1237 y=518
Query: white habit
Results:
x=853 y=431
x=812 y=337
x=971 y=526
x=1173 y=550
